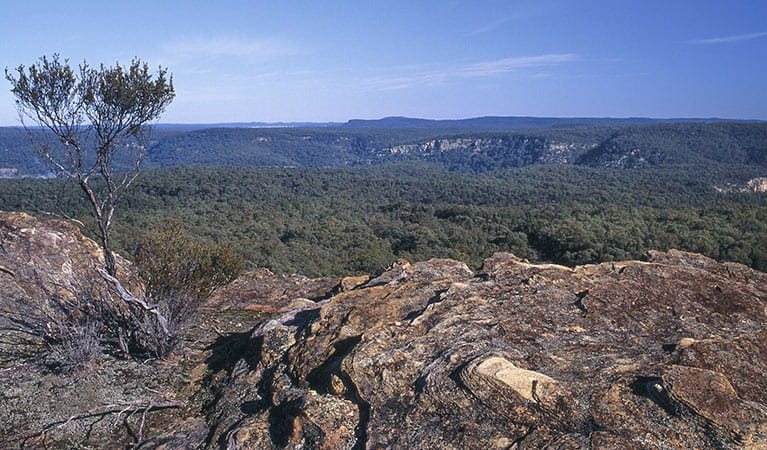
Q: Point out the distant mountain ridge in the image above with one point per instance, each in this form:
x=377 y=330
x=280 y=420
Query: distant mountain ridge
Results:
x=522 y=122
x=465 y=147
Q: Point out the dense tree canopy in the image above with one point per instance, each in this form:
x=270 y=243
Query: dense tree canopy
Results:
x=341 y=221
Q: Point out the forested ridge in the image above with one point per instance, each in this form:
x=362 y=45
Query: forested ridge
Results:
x=518 y=123
x=470 y=150
x=357 y=220
x=350 y=199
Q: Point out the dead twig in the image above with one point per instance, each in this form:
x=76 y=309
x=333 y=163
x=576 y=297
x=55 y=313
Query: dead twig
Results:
x=130 y=408
x=8 y=271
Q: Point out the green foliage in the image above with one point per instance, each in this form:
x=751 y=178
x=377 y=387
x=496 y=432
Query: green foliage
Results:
x=344 y=221
x=169 y=262
x=179 y=274
x=597 y=145
x=89 y=116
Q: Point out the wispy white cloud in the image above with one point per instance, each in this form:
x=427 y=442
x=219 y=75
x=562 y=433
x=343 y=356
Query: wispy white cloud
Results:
x=475 y=70
x=228 y=47
x=726 y=39
x=516 y=11
x=491 y=26
x=506 y=65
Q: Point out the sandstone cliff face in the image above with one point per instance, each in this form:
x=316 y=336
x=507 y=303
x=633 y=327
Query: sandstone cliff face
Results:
x=755 y=185
x=509 y=151
x=669 y=353
x=520 y=150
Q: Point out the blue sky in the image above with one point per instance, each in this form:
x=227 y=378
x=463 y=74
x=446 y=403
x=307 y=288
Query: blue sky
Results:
x=335 y=60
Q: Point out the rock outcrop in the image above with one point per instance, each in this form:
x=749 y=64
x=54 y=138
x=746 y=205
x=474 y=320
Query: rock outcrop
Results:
x=757 y=184
x=44 y=259
x=261 y=290
x=753 y=186
x=668 y=353
x=665 y=353
x=508 y=151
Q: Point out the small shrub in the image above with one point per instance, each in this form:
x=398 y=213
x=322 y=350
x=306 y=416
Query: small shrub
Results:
x=66 y=333
x=76 y=348
x=179 y=274
x=76 y=324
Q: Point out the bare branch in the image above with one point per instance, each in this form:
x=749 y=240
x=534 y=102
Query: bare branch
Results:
x=8 y=271
x=120 y=408
x=128 y=297
x=64 y=216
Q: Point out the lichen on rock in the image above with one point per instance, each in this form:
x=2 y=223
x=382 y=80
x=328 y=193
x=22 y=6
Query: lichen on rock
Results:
x=670 y=352
x=431 y=355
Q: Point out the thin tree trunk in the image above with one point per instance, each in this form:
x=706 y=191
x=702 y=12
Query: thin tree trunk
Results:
x=109 y=259
x=104 y=224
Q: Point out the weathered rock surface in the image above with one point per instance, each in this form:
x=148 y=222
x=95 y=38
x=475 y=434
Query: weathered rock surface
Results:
x=665 y=353
x=43 y=259
x=668 y=353
x=757 y=184
x=262 y=290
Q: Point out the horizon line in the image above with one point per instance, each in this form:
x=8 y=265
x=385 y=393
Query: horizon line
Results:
x=543 y=117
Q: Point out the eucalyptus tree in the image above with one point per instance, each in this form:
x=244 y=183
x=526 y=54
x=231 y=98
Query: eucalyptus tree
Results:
x=97 y=116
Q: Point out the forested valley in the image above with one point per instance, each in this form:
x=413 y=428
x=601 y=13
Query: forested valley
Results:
x=340 y=221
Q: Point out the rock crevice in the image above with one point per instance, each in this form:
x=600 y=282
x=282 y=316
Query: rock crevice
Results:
x=432 y=355
x=670 y=352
